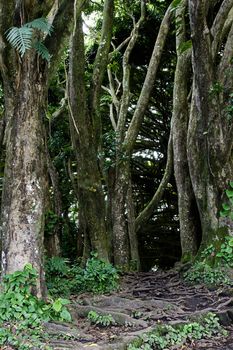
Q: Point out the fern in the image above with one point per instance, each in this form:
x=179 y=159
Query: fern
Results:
x=22 y=38
x=40 y=24
x=42 y=50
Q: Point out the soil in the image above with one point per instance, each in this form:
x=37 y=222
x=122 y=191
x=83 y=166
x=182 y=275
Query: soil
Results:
x=143 y=301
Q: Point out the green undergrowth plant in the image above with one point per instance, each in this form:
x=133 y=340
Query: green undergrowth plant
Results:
x=166 y=336
x=214 y=265
x=101 y=320
x=22 y=314
x=97 y=277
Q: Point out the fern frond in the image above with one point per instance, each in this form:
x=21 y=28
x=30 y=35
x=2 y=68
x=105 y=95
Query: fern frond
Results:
x=20 y=38
x=40 y=24
x=42 y=50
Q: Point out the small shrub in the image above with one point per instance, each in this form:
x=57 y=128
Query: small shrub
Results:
x=166 y=336
x=201 y=272
x=97 y=277
x=101 y=320
x=22 y=314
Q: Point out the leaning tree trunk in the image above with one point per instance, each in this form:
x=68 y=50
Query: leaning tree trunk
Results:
x=25 y=175
x=210 y=132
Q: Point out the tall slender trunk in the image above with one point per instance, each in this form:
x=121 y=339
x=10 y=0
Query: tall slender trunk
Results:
x=188 y=217
x=25 y=175
x=90 y=191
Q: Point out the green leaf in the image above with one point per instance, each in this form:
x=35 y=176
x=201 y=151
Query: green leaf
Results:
x=184 y=46
x=65 y=315
x=40 y=24
x=20 y=39
x=226 y=206
x=230 y=242
x=229 y=193
x=223 y=214
x=57 y=305
x=175 y=4
x=42 y=50
x=231 y=184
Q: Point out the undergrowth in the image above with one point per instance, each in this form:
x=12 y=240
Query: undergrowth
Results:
x=166 y=336
x=213 y=267
x=101 y=320
x=22 y=314
x=97 y=277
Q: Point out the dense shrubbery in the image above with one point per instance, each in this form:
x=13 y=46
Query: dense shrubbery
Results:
x=97 y=277
x=165 y=336
x=214 y=265
x=22 y=313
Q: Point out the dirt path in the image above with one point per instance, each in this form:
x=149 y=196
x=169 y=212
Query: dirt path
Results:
x=144 y=300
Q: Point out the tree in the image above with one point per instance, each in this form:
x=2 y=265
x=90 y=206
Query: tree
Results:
x=25 y=75
x=203 y=164
x=85 y=121
x=210 y=128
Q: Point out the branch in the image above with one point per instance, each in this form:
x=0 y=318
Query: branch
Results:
x=119 y=47
x=218 y=25
x=149 y=209
x=62 y=24
x=112 y=90
x=144 y=97
x=126 y=74
x=101 y=59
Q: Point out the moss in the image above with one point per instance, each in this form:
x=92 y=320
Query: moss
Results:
x=187 y=257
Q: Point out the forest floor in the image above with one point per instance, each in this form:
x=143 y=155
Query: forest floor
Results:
x=144 y=301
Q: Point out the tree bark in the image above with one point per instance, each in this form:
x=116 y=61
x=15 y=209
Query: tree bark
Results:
x=25 y=82
x=188 y=217
x=210 y=163
x=86 y=131
x=25 y=176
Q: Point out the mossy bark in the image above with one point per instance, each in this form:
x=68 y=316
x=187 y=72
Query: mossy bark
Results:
x=23 y=200
x=209 y=132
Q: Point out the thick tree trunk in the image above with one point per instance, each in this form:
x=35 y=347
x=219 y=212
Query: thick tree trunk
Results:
x=210 y=162
x=25 y=176
x=188 y=215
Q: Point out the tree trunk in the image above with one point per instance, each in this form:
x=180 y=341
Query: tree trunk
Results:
x=25 y=176
x=188 y=217
x=90 y=191
x=120 y=230
x=209 y=158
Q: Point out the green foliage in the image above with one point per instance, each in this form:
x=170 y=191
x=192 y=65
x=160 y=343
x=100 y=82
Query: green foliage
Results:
x=101 y=320
x=185 y=46
x=51 y=222
x=22 y=314
x=23 y=39
x=212 y=270
x=201 y=272
x=229 y=107
x=97 y=277
x=165 y=336
x=216 y=89
x=227 y=208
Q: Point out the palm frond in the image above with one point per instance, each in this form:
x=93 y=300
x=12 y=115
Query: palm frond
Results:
x=42 y=50
x=20 y=38
x=40 y=24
